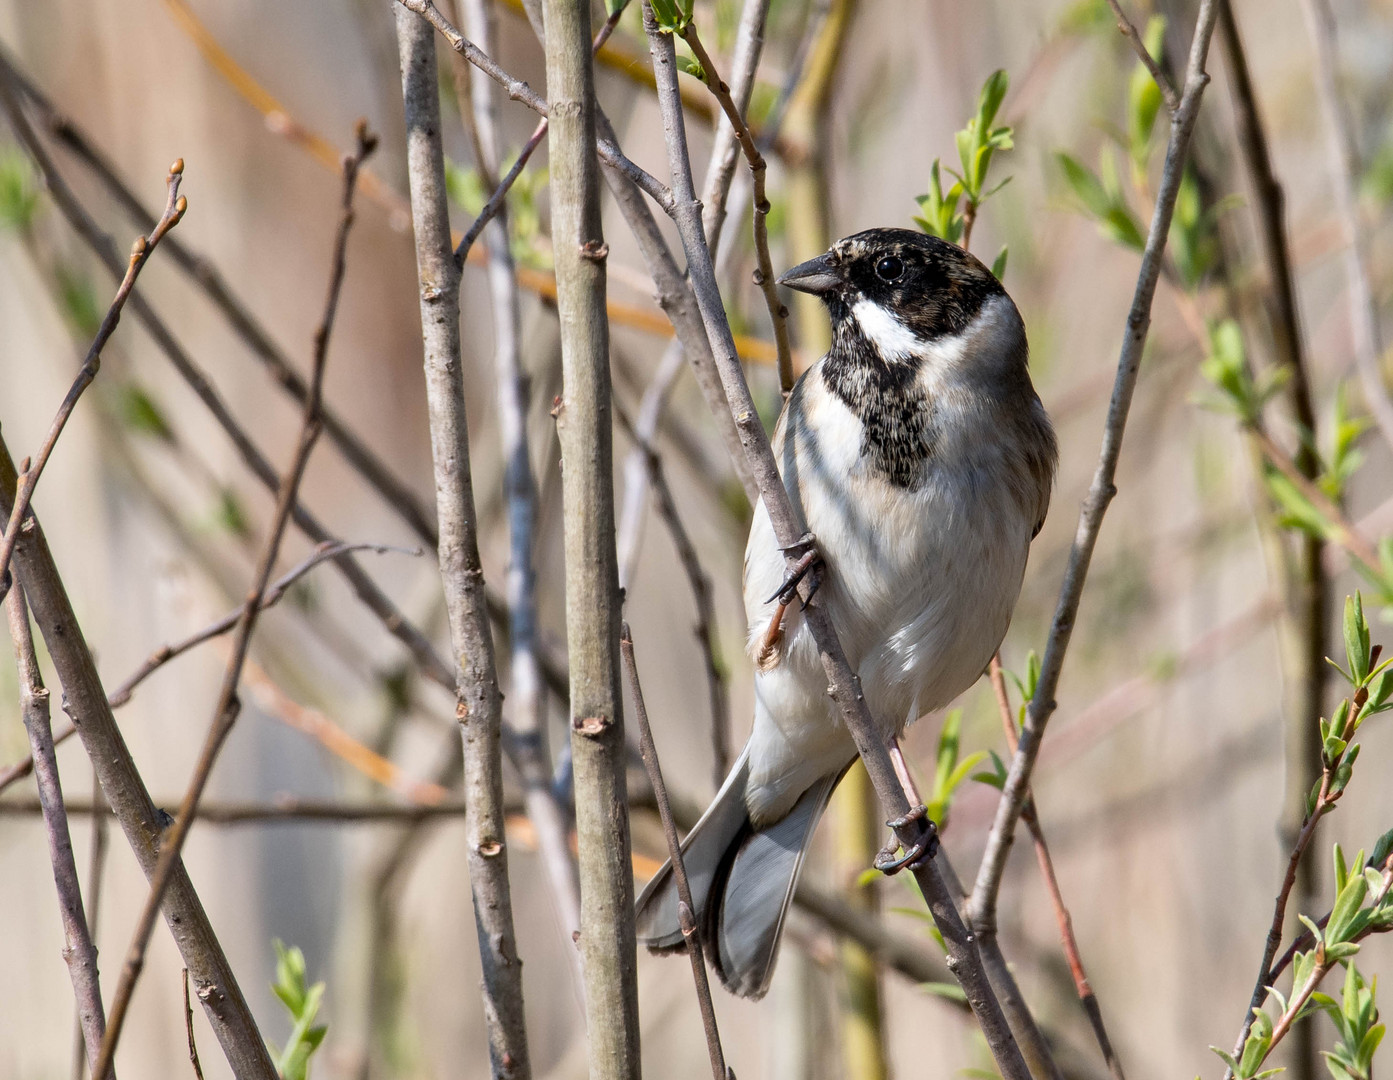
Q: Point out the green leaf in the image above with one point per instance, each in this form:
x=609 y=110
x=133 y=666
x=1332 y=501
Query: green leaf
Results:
x=140 y=413
x=1085 y=184
x=1347 y=904
x=690 y=65
x=1144 y=97
x=1356 y=629
x=672 y=15
x=19 y=190
x=999 y=264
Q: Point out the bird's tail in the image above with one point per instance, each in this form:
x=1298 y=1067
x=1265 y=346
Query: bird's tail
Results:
x=742 y=882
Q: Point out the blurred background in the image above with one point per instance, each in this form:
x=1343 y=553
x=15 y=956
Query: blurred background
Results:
x=1165 y=774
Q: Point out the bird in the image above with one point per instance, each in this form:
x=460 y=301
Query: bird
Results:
x=920 y=460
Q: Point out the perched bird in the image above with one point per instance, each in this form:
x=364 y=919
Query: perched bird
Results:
x=919 y=457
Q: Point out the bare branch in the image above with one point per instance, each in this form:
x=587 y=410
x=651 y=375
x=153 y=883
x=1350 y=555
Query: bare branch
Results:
x=228 y=705
x=141 y=251
x=982 y=907
x=686 y=908
x=78 y=950
x=188 y=1030
x=1128 y=29
x=479 y=702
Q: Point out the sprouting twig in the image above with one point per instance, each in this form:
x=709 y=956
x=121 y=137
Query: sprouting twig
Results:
x=228 y=705
x=78 y=950
x=526 y=729
x=843 y=685
x=1341 y=151
x=982 y=907
x=141 y=251
x=700 y=583
x=188 y=1030
x=479 y=700
x=764 y=275
x=1128 y=29
x=1030 y=815
x=686 y=909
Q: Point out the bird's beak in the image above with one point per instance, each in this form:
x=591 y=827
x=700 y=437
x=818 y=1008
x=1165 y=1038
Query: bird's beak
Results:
x=816 y=276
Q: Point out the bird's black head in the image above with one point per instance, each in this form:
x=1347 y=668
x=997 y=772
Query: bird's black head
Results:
x=931 y=287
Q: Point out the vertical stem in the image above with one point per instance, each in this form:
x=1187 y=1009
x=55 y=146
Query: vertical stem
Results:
x=858 y=838
x=78 y=950
x=478 y=700
x=592 y=577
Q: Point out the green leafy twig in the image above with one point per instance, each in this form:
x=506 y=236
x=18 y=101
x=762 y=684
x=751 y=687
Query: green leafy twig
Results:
x=302 y=1002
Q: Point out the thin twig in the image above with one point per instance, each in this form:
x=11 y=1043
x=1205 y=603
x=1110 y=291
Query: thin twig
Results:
x=78 y=950
x=1128 y=29
x=1344 y=160
x=280 y=810
x=686 y=908
x=141 y=250
x=188 y=1030
x=764 y=274
x=96 y=875
x=479 y=700
x=700 y=583
x=843 y=683
x=228 y=705
x=1031 y=816
x=982 y=906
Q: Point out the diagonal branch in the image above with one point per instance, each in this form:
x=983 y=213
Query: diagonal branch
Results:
x=982 y=906
x=1128 y=29
x=78 y=949
x=144 y=247
x=843 y=684
x=228 y=705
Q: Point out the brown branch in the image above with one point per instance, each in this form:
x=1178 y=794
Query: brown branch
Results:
x=228 y=705
x=686 y=908
x=1128 y=29
x=188 y=1030
x=78 y=949
x=479 y=701
x=700 y=583
x=982 y=906
x=764 y=275
x=843 y=685
x=1030 y=815
x=96 y=873
x=141 y=250
x=281 y=810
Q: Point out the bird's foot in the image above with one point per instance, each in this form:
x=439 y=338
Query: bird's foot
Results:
x=888 y=863
x=809 y=565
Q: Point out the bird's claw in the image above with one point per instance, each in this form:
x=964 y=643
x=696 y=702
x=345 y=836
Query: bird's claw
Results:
x=809 y=565
x=925 y=847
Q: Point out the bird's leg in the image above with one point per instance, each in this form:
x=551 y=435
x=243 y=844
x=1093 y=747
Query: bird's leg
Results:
x=809 y=565
x=923 y=848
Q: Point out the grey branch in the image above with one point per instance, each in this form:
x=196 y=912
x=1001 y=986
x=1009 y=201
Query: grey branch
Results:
x=1128 y=29
x=843 y=685
x=1341 y=151
x=583 y=421
x=214 y=982
x=78 y=950
x=982 y=905
x=479 y=700
x=686 y=908
x=228 y=705
x=141 y=251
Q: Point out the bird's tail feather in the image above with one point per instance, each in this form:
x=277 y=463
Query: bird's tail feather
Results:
x=742 y=882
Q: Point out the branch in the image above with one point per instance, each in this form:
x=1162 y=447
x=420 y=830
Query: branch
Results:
x=1128 y=29
x=527 y=729
x=479 y=702
x=1341 y=151
x=228 y=705
x=141 y=250
x=982 y=906
x=78 y=950
x=700 y=583
x=843 y=684
x=686 y=908
x=764 y=275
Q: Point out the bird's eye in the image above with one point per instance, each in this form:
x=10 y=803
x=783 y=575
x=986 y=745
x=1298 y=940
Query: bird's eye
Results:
x=889 y=268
